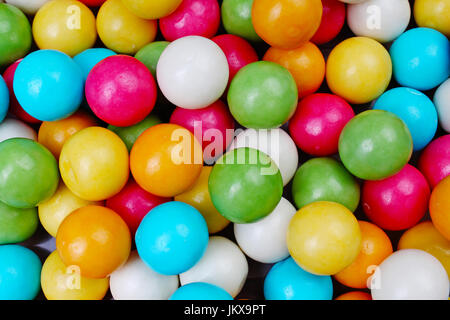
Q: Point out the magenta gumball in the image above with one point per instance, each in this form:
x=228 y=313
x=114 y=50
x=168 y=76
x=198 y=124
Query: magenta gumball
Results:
x=434 y=161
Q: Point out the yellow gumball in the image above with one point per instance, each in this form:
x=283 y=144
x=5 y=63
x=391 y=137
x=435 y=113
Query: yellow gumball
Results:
x=324 y=238
x=65 y=25
x=433 y=14
x=152 y=9
x=94 y=164
x=122 y=31
x=359 y=69
x=61 y=282
x=198 y=197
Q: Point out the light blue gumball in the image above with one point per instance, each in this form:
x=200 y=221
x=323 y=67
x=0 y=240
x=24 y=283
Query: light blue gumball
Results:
x=87 y=59
x=200 y=291
x=4 y=99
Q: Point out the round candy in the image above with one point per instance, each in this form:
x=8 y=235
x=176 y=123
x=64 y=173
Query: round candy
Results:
x=433 y=14
x=318 y=123
x=200 y=291
x=359 y=69
x=87 y=59
x=93 y=3
x=265 y=240
x=410 y=274
x=60 y=89
x=152 y=9
x=442 y=103
x=237 y=19
x=4 y=99
x=95 y=239
x=440 y=207
x=434 y=162
x=263 y=95
x=286 y=24
x=20 y=271
x=172 y=238
x=370 y=155
x=355 y=295
x=287 y=281
x=245 y=185
x=419 y=52
x=150 y=54
x=29 y=173
x=16 y=225
x=27 y=6
x=192 y=72
x=324 y=238
x=94 y=164
x=333 y=19
x=12 y=128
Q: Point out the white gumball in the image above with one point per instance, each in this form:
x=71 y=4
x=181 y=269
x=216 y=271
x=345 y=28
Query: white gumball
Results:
x=223 y=265
x=442 y=103
x=28 y=6
x=12 y=128
x=410 y=274
x=382 y=20
x=136 y=281
x=192 y=72
x=265 y=240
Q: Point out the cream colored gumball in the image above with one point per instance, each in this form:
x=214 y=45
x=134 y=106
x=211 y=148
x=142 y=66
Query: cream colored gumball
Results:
x=442 y=103
x=12 y=128
x=27 y=6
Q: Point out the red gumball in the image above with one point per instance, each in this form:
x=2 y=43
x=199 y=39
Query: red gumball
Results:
x=333 y=19
x=434 y=161
x=192 y=18
x=398 y=202
x=93 y=3
x=318 y=122
x=121 y=90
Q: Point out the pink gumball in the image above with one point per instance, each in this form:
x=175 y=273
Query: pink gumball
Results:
x=121 y=90
x=318 y=122
x=434 y=161
x=192 y=18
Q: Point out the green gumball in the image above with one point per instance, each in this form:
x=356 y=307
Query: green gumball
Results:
x=17 y=225
x=149 y=55
x=237 y=19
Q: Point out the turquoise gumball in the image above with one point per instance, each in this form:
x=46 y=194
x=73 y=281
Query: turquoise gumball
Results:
x=200 y=291
x=87 y=59
x=4 y=99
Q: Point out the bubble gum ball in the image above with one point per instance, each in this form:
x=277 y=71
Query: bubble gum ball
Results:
x=442 y=103
x=192 y=18
x=4 y=99
x=263 y=95
x=434 y=162
x=17 y=225
x=29 y=173
x=94 y=164
x=318 y=123
x=87 y=59
x=172 y=238
x=324 y=238
x=440 y=207
x=359 y=69
x=198 y=196
x=12 y=128
x=150 y=54
x=200 y=291
x=286 y=24
x=95 y=239
x=287 y=281
x=354 y=295
x=27 y=6
x=237 y=19
x=433 y=14
x=20 y=271
x=93 y=3
x=61 y=85
x=132 y=84
x=306 y=64
x=325 y=179
x=152 y=9
x=122 y=31
x=420 y=58
x=58 y=282
x=252 y=198
x=333 y=19
x=192 y=72
x=265 y=240
x=415 y=109
x=136 y=281
x=410 y=274
x=166 y=160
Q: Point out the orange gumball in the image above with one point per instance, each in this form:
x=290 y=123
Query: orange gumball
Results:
x=166 y=160
x=306 y=64
x=354 y=295
x=440 y=207
x=375 y=247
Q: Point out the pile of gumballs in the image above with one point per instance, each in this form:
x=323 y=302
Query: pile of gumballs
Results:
x=202 y=149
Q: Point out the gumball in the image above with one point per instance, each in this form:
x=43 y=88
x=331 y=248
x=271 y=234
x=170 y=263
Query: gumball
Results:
x=27 y=6
x=16 y=225
x=12 y=128
x=198 y=196
x=439 y=207
x=333 y=19
x=265 y=240
x=60 y=89
x=318 y=123
x=200 y=291
x=29 y=173
x=166 y=160
x=93 y=3
x=152 y=9
x=15 y=34
x=420 y=58
x=415 y=109
x=263 y=95
x=172 y=238
x=442 y=103
x=287 y=281
x=149 y=55
x=245 y=185
x=305 y=63
x=4 y=99
x=433 y=14
x=95 y=239
x=369 y=155
x=87 y=59
x=94 y=164
x=434 y=162
x=192 y=18
x=192 y=72
x=136 y=281
x=324 y=238
x=286 y=24
x=237 y=19
x=133 y=86
x=355 y=295
x=20 y=271
x=61 y=282
x=359 y=70
x=325 y=179
x=410 y=274
x=122 y=31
